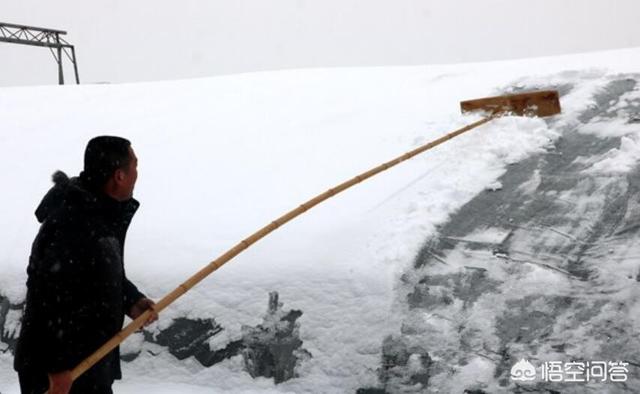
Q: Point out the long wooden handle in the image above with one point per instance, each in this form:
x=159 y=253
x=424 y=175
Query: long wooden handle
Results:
x=244 y=244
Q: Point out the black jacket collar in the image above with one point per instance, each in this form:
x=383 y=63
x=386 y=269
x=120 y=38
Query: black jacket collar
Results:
x=73 y=194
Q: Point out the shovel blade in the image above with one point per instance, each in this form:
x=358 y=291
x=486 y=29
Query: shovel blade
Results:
x=538 y=103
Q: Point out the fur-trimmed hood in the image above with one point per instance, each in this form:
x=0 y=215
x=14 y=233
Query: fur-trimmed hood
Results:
x=54 y=198
x=73 y=192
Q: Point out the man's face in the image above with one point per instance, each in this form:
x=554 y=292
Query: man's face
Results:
x=131 y=173
x=126 y=178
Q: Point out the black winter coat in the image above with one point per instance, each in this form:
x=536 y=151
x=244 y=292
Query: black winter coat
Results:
x=77 y=291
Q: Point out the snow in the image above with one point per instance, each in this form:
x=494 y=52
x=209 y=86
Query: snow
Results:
x=611 y=127
x=619 y=160
x=477 y=371
x=221 y=157
x=487 y=235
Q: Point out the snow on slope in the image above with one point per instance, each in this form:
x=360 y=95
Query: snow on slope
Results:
x=221 y=157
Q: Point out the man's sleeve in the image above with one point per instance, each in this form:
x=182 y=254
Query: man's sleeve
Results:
x=131 y=295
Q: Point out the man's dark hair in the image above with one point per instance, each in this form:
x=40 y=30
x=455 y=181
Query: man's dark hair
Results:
x=102 y=157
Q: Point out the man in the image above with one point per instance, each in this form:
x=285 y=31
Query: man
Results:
x=77 y=290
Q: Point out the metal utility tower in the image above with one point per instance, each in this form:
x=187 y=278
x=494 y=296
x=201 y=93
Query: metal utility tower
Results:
x=41 y=37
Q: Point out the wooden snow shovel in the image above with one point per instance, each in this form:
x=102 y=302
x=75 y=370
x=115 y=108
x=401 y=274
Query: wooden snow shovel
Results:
x=540 y=103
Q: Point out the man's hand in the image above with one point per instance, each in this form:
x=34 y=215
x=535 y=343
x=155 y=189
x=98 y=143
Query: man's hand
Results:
x=60 y=382
x=142 y=305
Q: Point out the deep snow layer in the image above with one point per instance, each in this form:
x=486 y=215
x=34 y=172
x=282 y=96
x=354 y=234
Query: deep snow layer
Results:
x=221 y=157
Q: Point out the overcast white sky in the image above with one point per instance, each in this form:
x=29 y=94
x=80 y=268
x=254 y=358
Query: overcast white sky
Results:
x=141 y=40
